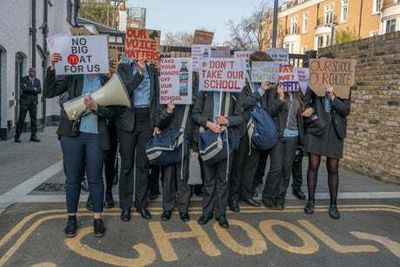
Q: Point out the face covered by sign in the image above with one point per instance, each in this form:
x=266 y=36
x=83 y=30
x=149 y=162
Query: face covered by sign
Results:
x=142 y=44
x=289 y=78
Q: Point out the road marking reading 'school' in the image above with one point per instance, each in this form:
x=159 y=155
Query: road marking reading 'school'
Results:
x=263 y=235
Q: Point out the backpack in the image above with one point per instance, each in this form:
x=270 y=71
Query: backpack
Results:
x=262 y=129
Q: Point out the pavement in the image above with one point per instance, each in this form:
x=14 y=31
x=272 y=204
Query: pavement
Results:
x=31 y=223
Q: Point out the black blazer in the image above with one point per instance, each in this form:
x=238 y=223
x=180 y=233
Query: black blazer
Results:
x=278 y=110
x=73 y=84
x=29 y=92
x=125 y=117
x=340 y=110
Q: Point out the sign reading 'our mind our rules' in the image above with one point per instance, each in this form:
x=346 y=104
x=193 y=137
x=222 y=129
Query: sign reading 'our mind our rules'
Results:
x=85 y=54
x=176 y=81
x=221 y=74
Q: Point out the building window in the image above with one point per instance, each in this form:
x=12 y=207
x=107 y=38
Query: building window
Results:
x=323 y=40
x=293 y=25
x=305 y=22
x=390 y=25
x=328 y=14
x=377 y=5
x=345 y=10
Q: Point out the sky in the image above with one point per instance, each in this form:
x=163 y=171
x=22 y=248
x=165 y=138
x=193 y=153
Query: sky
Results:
x=189 y=15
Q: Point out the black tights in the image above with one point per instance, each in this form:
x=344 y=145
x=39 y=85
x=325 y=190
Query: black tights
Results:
x=332 y=166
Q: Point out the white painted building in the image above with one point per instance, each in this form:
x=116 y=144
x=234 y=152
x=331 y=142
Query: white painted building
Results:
x=16 y=53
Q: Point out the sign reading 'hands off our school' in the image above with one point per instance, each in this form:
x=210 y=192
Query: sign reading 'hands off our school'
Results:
x=85 y=54
x=176 y=81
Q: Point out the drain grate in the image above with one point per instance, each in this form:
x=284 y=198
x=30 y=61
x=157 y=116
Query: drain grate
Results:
x=51 y=187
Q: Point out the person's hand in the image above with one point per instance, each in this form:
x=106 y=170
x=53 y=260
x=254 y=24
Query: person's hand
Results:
x=170 y=107
x=280 y=92
x=329 y=91
x=156 y=131
x=265 y=85
x=194 y=154
x=141 y=65
x=221 y=120
x=308 y=112
x=90 y=103
x=54 y=58
x=215 y=128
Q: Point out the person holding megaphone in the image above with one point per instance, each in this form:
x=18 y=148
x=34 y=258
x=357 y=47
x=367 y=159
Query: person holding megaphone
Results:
x=83 y=140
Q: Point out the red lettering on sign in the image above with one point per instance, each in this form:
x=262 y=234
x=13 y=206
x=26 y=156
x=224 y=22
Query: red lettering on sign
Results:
x=73 y=59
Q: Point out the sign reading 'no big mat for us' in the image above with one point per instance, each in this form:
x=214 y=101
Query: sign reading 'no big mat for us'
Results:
x=83 y=54
x=340 y=73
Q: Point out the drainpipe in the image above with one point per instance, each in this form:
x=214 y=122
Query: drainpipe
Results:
x=45 y=31
x=275 y=24
x=359 y=22
x=32 y=32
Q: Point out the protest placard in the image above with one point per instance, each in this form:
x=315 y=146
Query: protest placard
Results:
x=280 y=55
x=265 y=71
x=113 y=59
x=225 y=74
x=78 y=31
x=303 y=78
x=340 y=73
x=245 y=56
x=176 y=81
x=203 y=37
x=199 y=52
x=289 y=78
x=80 y=54
x=220 y=52
x=142 y=44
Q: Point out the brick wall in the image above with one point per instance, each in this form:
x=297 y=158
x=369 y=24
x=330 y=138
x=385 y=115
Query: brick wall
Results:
x=372 y=146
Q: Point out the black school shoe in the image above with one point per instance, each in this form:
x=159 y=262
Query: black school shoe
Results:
x=234 y=206
x=223 y=222
x=184 y=216
x=334 y=212
x=309 y=207
x=166 y=215
x=109 y=202
x=204 y=219
x=99 y=228
x=71 y=227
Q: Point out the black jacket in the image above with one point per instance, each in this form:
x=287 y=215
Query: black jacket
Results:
x=73 y=84
x=125 y=117
x=340 y=110
x=30 y=91
x=278 y=110
x=204 y=107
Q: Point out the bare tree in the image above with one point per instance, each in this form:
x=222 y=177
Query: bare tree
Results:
x=253 y=32
x=178 y=39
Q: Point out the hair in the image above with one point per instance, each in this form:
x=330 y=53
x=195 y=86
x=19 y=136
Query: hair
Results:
x=260 y=56
x=327 y=55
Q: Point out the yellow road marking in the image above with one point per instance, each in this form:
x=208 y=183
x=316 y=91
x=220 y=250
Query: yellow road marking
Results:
x=258 y=245
x=335 y=246
x=44 y=264
x=310 y=246
x=391 y=245
x=146 y=257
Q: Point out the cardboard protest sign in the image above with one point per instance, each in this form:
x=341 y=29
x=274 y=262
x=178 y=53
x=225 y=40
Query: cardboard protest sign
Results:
x=225 y=74
x=77 y=31
x=83 y=54
x=221 y=52
x=340 y=73
x=280 y=55
x=176 y=81
x=203 y=37
x=289 y=78
x=303 y=78
x=265 y=71
x=245 y=55
x=113 y=59
x=142 y=43
x=199 y=52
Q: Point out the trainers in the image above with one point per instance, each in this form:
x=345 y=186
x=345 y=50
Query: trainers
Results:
x=99 y=228
x=71 y=227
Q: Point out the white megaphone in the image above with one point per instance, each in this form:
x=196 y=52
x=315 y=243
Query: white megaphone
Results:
x=113 y=93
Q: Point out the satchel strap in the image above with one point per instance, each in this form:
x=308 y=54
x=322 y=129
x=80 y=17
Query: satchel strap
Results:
x=185 y=118
x=227 y=103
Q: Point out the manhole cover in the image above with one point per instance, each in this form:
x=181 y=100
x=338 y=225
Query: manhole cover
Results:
x=51 y=187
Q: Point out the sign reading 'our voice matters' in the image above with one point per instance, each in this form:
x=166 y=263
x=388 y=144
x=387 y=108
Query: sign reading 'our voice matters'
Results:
x=142 y=44
x=224 y=74
x=340 y=73
x=265 y=71
x=80 y=54
x=176 y=81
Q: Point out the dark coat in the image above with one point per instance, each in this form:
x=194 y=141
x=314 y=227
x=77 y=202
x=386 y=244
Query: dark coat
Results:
x=278 y=110
x=73 y=84
x=29 y=92
x=125 y=117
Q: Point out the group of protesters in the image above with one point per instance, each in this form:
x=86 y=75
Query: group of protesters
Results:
x=305 y=124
